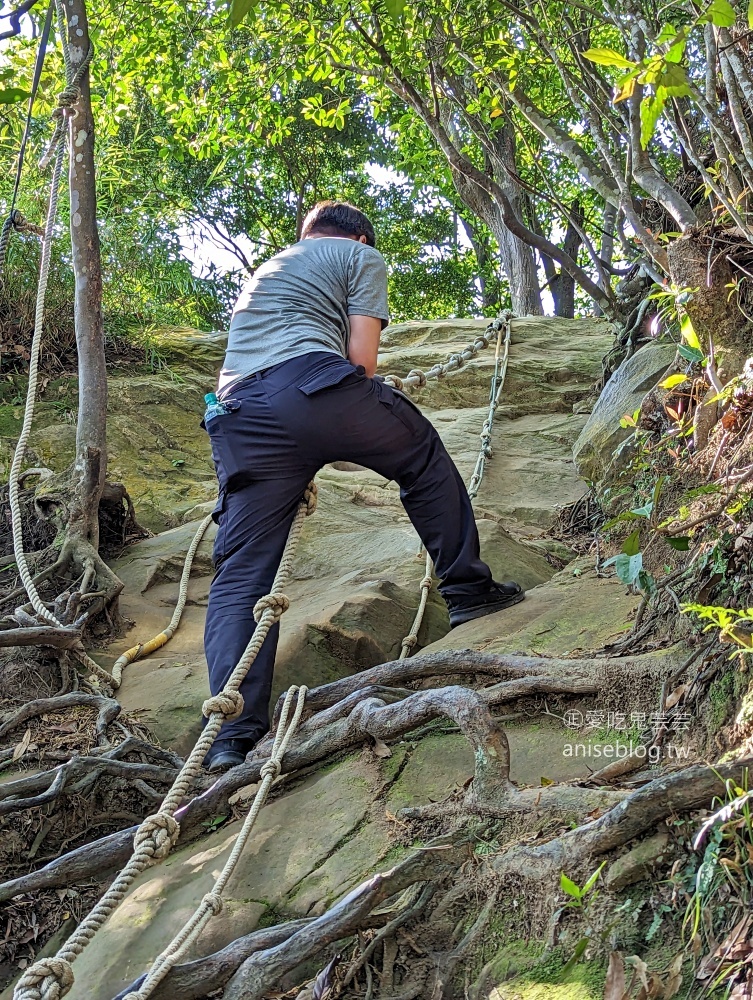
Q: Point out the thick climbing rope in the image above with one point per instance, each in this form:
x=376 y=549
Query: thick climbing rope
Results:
x=426 y=584
x=417 y=379
x=211 y=904
x=145 y=648
x=52 y=978
x=502 y=325
x=501 y=358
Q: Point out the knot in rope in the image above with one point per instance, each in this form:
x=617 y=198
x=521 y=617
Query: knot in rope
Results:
x=278 y=604
x=310 y=498
x=426 y=583
x=409 y=641
x=64 y=110
x=421 y=376
x=213 y=902
x=228 y=704
x=66 y=99
x=481 y=343
x=156 y=835
x=22 y=225
x=395 y=381
x=271 y=768
x=458 y=359
x=48 y=979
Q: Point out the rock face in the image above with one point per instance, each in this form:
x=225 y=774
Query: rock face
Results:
x=356 y=576
x=353 y=598
x=623 y=394
x=638 y=863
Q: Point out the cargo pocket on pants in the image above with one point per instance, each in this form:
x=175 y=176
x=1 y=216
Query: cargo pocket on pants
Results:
x=226 y=441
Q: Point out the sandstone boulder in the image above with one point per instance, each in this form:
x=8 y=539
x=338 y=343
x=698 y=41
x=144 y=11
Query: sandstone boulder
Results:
x=622 y=395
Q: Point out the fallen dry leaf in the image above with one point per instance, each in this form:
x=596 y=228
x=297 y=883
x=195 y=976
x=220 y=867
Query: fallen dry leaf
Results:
x=381 y=749
x=614 y=987
x=743 y=990
x=675 y=696
x=21 y=748
x=674 y=978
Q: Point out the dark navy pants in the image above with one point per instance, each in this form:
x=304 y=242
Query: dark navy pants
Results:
x=287 y=423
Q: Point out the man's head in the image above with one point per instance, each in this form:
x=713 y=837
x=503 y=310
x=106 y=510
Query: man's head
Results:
x=338 y=218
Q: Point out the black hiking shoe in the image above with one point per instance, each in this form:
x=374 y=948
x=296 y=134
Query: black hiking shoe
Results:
x=497 y=598
x=225 y=754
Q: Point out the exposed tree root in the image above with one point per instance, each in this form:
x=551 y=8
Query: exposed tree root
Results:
x=678 y=793
x=456 y=662
x=41 y=635
x=262 y=959
x=263 y=970
x=337 y=731
x=196 y=979
x=109 y=709
x=39 y=789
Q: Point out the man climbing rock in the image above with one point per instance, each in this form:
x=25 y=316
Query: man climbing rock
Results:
x=299 y=392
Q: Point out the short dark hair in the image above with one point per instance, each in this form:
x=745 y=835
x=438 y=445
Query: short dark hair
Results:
x=338 y=218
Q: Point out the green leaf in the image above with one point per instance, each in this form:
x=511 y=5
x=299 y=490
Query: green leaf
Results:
x=608 y=57
x=677 y=49
x=667 y=33
x=645 y=511
x=689 y=335
x=632 y=544
x=646 y=582
x=682 y=544
x=592 y=881
x=750 y=14
x=395 y=8
x=239 y=9
x=658 y=487
x=672 y=381
x=674 y=80
x=720 y=13
x=576 y=956
x=13 y=95
x=690 y=353
x=568 y=886
x=628 y=567
x=651 y=109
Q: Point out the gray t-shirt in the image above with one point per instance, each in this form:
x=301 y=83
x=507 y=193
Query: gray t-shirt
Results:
x=299 y=301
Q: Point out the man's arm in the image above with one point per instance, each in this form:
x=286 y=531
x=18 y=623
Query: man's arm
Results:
x=363 y=346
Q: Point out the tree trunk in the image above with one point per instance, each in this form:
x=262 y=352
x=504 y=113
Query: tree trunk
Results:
x=563 y=285
x=90 y=465
x=608 y=224
x=517 y=257
x=713 y=313
x=518 y=260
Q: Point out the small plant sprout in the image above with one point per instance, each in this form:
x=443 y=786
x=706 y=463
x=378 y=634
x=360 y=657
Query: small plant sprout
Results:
x=577 y=894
